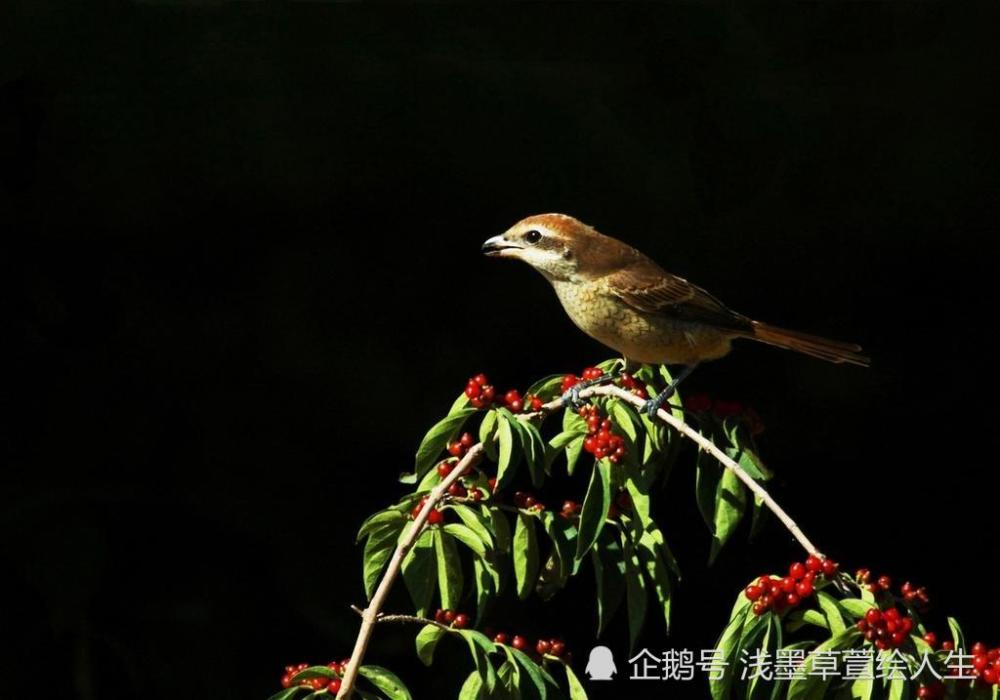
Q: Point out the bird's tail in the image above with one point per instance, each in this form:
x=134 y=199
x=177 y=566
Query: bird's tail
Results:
x=814 y=345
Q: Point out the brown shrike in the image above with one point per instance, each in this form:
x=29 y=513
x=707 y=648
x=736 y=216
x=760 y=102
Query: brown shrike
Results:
x=622 y=299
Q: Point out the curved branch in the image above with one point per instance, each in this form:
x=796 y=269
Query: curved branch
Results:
x=370 y=615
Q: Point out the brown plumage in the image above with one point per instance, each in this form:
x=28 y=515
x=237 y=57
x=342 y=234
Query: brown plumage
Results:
x=623 y=299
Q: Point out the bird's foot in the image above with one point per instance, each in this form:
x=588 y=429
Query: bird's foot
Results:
x=651 y=406
x=572 y=396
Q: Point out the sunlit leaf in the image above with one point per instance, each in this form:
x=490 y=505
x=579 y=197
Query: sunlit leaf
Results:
x=525 y=555
x=436 y=439
x=385 y=681
x=427 y=639
x=419 y=572
x=449 y=570
x=595 y=508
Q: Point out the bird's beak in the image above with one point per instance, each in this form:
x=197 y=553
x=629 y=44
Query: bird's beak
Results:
x=499 y=247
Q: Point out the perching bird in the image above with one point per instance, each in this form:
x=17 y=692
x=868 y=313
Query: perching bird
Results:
x=621 y=298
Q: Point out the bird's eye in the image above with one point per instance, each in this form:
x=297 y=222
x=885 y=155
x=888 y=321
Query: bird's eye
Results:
x=533 y=236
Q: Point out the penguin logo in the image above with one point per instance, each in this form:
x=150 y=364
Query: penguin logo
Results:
x=601 y=665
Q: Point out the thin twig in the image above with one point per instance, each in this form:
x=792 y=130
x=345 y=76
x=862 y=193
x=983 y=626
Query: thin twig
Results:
x=372 y=614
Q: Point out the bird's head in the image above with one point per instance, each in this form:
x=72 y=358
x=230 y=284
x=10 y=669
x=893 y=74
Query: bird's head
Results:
x=556 y=245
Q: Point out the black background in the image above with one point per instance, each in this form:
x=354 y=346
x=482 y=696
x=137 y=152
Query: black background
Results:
x=242 y=246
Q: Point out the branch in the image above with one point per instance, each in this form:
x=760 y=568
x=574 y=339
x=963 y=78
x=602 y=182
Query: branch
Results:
x=372 y=614
x=710 y=447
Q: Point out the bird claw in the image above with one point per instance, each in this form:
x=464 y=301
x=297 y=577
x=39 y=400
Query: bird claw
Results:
x=572 y=398
x=651 y=406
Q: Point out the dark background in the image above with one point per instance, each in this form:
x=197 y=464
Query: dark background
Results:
x=242 y=251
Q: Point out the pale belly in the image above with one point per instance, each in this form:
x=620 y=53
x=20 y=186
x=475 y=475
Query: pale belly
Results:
x=638 y=336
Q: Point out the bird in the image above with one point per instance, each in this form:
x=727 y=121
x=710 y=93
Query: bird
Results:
x=626 y=301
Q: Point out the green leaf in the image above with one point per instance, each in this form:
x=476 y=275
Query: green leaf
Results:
x=956 y=634
x=862 y=688
x=728 y=647
x=378 y=549
x=288 y=693
x=576 y=691
x=525 y=555
x=534 y=450
x=534 y=671
x=856 y=607
x=811 y=686
x=635 y=592
x=897 y=689
x=730 y=502
x=468 y=537
x=595 y=508
x=475 y=521
x=501 y=530
x=625 y=418
x=480 y=647
x=487 y=434
x=383 y=519
x=510 y=677
x=386 y=681
x=472 y=689
x=562 y=534
x=831 y=610
x=507 y=453
x=799 y=618
x=418 y=572
x=547 y=388
x=573 y=423
x=315 y=672
x=427 y=639
x=449 y=570
x=436 y=439
x=487 y=581
x=708 y=473
x=656 y=570
x=609 y=570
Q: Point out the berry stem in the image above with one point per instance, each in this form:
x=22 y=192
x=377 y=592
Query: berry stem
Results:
x=371 y=614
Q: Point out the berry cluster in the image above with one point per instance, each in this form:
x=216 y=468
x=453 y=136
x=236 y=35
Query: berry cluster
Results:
x=570 y=509
x=457 y=489
x=449 y=617
x=527 y=501
x=986 y=663
x=589 y=374
x=887 y=629
x=780 y=594
x=722 y=408
x=435 y=517
x=910 y=594
x=543 y=647
x=459 y=447
x=482 y=394
x=627 y=381
x=319 y=683
x=600 y=441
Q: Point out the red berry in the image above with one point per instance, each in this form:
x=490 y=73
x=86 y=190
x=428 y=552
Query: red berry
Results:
x=543 y=647
x=788 y=584
x=753 y=592
x=334 y=686
x=456 y=490
x=979 y=649
x=829 y=567
x=501 y=638
x=439 y=616
x=792 y=600
x=519 y=642
x=435 y=517
x=931 y=639
x=814 y=563
x=804 y=588
x=461 y=621
x=449 y=616
x=759 y=608
x=492 y=483
x=947 y=645
x=797 y=570
x=884 y=582
x=557 y=647
x=455 y=449
x=444 y=469
x=873 y=616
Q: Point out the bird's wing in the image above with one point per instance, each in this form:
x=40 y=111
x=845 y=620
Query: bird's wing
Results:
x=649 y=289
